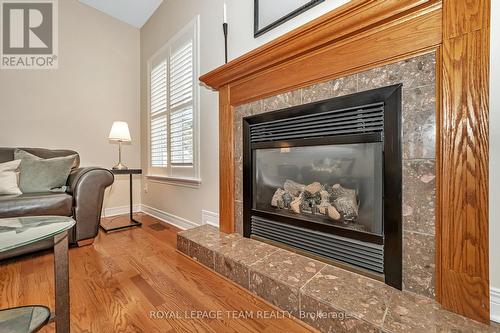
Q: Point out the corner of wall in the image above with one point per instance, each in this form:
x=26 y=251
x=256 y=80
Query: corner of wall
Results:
x=210 y=218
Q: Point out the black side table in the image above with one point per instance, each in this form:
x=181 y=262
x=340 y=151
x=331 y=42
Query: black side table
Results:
x=133 y=222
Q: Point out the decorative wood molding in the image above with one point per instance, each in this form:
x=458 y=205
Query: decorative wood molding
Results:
x=368 y=33
x=413 y=32
x=226 y=161
x=464 y=141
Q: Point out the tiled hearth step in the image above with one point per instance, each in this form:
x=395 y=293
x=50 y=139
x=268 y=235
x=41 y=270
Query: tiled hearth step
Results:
x=303 y=286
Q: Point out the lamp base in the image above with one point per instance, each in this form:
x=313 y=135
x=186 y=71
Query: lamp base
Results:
x=120 y=166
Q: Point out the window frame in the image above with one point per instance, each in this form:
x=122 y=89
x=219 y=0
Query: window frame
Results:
x=177 y=174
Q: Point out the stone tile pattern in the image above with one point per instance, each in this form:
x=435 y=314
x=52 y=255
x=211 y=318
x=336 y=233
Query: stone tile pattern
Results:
x=280 y=276
x=326 y=297
x=419 y=140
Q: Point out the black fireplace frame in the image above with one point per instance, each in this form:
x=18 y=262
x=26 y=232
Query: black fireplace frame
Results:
x=391 y=97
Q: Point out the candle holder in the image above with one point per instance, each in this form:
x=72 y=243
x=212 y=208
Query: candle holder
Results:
x=225 y=28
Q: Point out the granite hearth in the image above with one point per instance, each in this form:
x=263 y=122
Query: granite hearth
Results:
x=324 y=296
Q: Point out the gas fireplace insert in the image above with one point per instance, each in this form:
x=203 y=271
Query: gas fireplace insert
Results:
x=325 y=179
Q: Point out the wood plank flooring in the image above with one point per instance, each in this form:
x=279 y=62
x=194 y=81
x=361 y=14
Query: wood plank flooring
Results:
x=125 y=276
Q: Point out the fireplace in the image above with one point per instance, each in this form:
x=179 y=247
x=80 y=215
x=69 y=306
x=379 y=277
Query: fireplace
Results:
x=325 y=179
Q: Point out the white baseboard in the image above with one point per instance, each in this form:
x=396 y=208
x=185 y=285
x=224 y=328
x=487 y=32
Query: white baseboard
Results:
x=495 y=305
x=114 y=211
x=210 y=218
x=176 y=221
x=179 y=222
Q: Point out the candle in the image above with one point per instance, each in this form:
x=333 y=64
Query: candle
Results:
x=225 y=13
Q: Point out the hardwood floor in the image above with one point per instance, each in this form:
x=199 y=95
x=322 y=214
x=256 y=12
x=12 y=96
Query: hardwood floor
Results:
x=119 y=281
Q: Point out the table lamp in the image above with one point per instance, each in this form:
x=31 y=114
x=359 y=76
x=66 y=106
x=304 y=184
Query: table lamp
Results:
x=119 y=133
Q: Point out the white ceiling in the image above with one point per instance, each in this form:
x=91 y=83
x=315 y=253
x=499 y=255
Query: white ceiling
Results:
x=133 y=12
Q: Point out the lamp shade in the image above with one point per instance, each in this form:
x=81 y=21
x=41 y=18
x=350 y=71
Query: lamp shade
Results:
x=119 y=132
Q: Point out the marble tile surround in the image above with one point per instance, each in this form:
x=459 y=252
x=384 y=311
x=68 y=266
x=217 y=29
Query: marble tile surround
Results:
x=328 y=298
x=419 y=140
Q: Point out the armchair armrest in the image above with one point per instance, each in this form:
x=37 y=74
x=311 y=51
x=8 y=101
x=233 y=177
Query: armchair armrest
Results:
x=87 y=186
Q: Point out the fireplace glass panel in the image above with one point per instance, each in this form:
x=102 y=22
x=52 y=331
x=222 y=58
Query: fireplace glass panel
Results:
x=339 y=185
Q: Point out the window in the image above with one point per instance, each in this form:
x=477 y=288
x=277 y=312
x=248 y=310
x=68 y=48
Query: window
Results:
x=173 y=107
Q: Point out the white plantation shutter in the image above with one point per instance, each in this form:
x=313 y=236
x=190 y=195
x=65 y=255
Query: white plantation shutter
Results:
x=159 y=153
x=181 y=104
x=173 y=106
x=159 y=150
x=181 y=75
x=181 y=136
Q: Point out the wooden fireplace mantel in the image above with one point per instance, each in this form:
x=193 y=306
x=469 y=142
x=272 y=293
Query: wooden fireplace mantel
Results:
x=368 y=33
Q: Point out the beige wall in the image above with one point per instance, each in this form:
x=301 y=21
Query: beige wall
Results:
x=240 y=20
x=74 y=106
x=186 y=202
x=181 y=201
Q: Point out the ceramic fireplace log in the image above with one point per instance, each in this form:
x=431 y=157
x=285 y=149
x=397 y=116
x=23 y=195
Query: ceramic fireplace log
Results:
x=336 y=202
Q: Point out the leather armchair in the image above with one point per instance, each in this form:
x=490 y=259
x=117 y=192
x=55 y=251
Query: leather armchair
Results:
x=83 y=200
x=87 y=187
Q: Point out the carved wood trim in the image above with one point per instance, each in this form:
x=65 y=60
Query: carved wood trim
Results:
x=226 y=161
x=368 y=33
x=412 y=33
x=464 y=141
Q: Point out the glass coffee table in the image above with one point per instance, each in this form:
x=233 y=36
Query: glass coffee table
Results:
x=24 y=319
x=23 y=231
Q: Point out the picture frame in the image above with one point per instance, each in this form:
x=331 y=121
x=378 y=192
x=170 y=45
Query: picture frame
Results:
x=268 y=14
